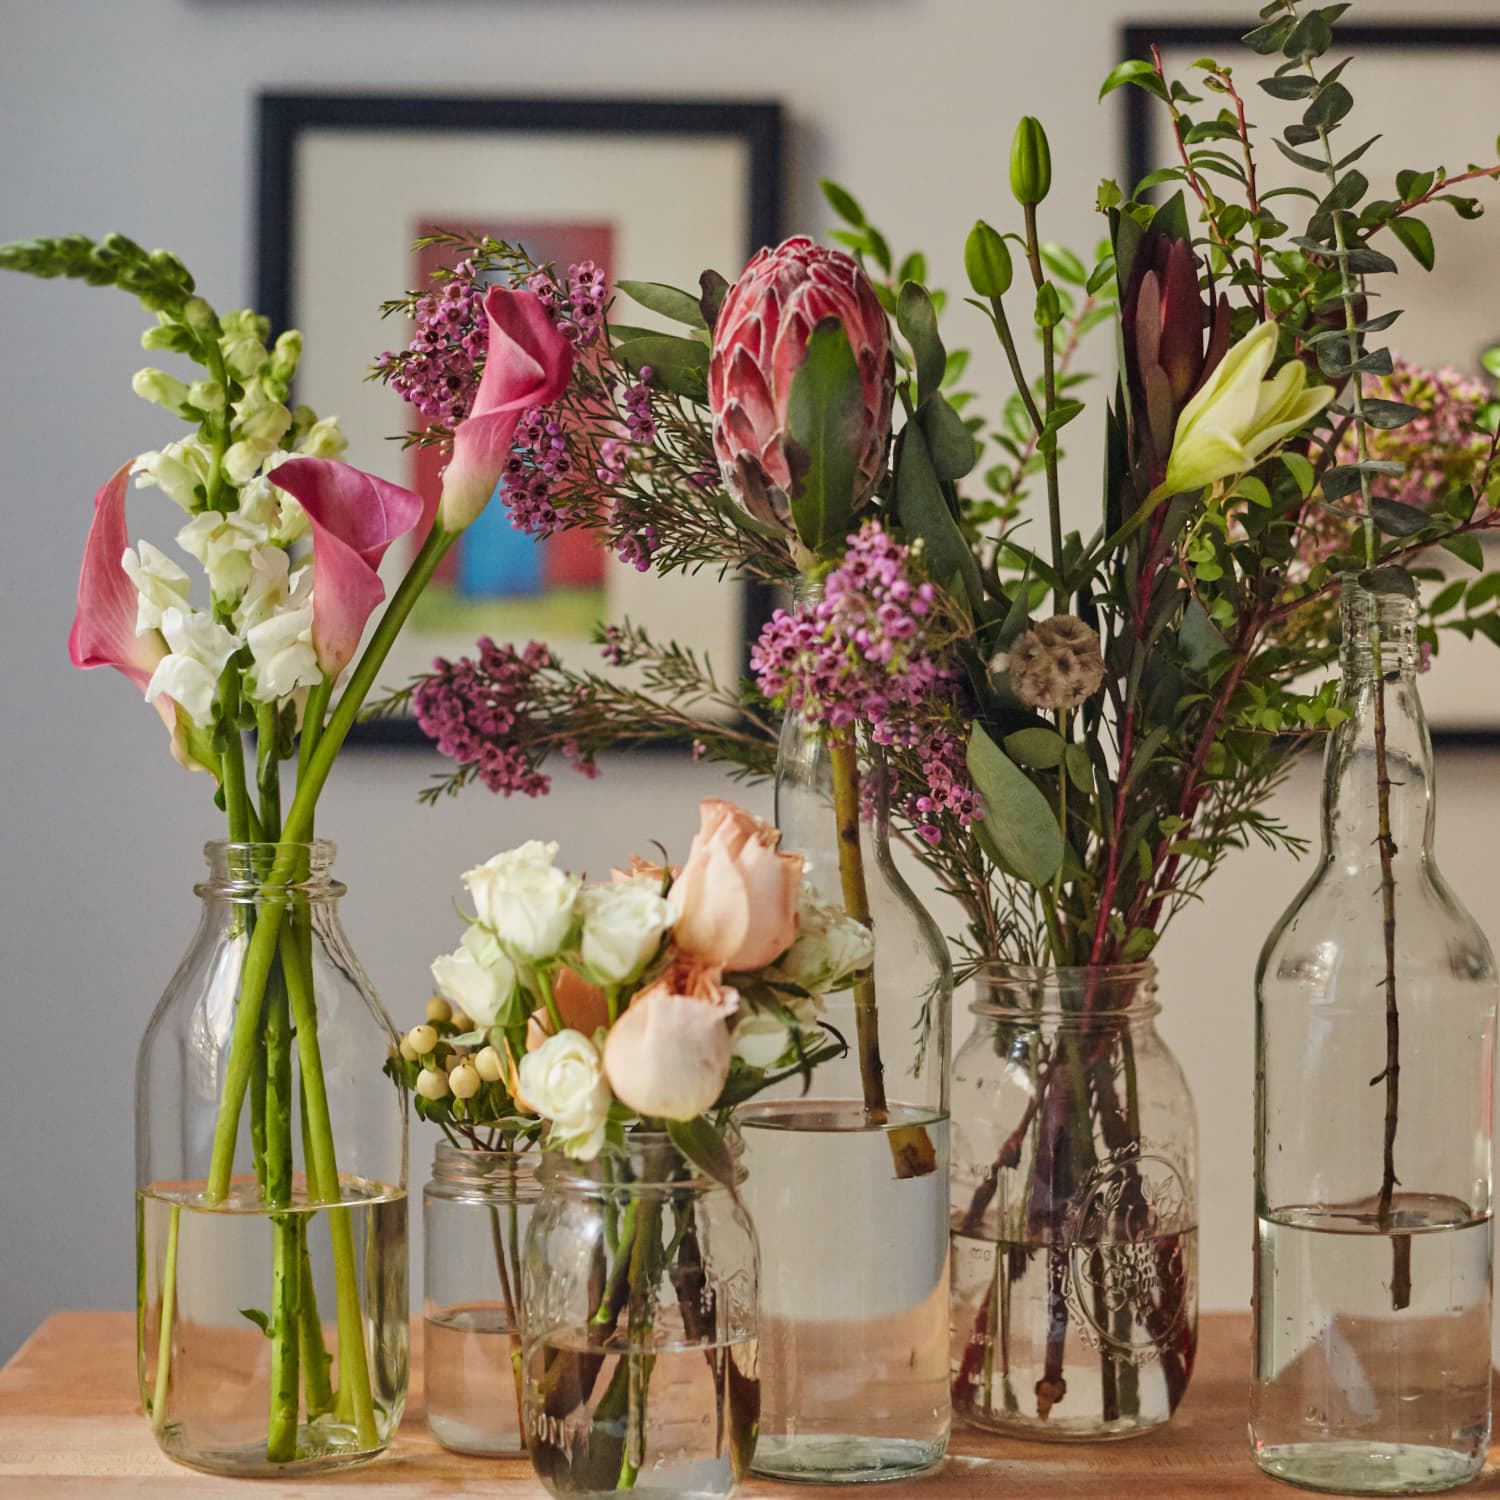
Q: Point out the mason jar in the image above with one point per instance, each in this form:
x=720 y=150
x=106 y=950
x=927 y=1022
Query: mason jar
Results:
x=475 y=1212
x=1075 y=1207
x=639 y=1308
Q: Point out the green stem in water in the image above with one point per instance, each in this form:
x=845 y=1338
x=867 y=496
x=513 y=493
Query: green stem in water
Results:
x=286 y=1283
x=315 y=1358
x=168 y=1315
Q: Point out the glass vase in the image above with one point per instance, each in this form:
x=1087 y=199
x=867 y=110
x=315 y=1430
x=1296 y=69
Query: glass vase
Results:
x=1075 y=1207
x=848 y=1183
x=271 y=1187
x=1375 y=1006
x=639 y=1313
x=476 y=1211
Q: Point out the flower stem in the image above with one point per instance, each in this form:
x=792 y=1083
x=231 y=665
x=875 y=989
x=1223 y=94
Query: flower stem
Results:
x=843 y=759
x=168 y=1315
x=1049 y=397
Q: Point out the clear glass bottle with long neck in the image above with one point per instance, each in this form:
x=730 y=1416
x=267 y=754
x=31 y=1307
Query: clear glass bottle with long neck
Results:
x=1376 y=997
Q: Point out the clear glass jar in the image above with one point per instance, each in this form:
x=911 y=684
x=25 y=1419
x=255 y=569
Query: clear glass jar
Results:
x=271 y=1254
x=848 y=1184
x=1375 y=1006
x=639 y=1310
x=1075 y=1207
x=475 y=1214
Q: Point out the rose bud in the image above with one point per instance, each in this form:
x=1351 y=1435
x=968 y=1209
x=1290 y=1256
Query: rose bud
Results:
x=667 y=1057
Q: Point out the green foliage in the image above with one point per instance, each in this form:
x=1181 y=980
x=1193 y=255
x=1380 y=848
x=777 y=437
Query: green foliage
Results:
x=1018 y=820
x=157 y=277
x=825 y=426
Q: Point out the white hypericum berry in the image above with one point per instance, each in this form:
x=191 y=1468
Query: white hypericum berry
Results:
x=464 y=1080
x=432 y=1083
x=423 y=1039
x=438 y=1009
x=407 y=1050
x=453 y=1059
x=461 y=1023
x=487 y=1062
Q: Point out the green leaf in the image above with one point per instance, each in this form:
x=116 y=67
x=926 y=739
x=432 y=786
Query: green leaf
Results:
x=1080 y=772
x=1310 y=37
x=950 y=444
x=917 y=320
x=678 y=365
x=842 y=202
x=1389 y=579
x=913 y=268
x=1417 y=238
x=1398 y=519
x=705 y=1148
x=1294 y=86
x=670 y=301
x=1063 y=263
x=1388 y=414
x=923 y=512
x=1017 y=817
x=825 y=423
x=1136 y=70
x=1254 y=490
x=260 y=1319
x=1269 y=38
x=1345 y=193
x=1041 y=749
x=712 y=289
x=987 y=261
x=1331 y=105
x=1481 y=592
x=1466 y=548
x=1301 y=471
x=1449 y=597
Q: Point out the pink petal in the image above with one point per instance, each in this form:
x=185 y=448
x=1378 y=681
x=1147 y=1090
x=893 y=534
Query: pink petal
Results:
x=103 y=633
x=354 y=518
x=528 y=363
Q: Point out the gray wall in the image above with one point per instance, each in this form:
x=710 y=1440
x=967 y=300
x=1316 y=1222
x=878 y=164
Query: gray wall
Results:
x=136 y=115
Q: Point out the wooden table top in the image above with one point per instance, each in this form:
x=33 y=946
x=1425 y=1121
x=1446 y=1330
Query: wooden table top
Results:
x=71 y=1429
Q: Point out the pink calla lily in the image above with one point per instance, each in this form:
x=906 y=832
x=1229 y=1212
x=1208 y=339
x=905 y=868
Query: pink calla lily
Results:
x=103 y=633
x=528 y=363
x=354 y=518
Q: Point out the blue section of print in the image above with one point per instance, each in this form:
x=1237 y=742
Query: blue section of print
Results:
x=495 y=561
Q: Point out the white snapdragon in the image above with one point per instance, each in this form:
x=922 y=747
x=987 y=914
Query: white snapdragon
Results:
x=283 y=652
x=165 y=391
x=224 y=543
x=260 y=422
x=179 y=469
x=197 y=647
x=478 y=978
x=563 y=1080
x=279 y=512
x=272 y=587
x=623 y=925
x=160 y=585
x=323 y=439
x=525 y=900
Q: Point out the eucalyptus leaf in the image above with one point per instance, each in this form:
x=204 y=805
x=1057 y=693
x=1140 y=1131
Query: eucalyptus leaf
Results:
x=1041 y=749
x=670 y=301
x=1019 y=820
x=1389 y=414
x=949 y=442
x=923 y=512
x=917 y=320
x=1398 y=519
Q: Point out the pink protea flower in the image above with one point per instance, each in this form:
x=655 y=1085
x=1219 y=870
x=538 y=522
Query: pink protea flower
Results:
x=760 y=341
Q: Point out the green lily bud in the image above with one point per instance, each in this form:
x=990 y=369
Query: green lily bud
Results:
x=987 y=261
x=1048 y=306
x=1030 y=162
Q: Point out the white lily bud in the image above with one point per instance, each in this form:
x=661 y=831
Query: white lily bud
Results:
x=438 y=1009
x=432 y=1083
x=488 y=1065
x=423 y=1039
x=464 y=1080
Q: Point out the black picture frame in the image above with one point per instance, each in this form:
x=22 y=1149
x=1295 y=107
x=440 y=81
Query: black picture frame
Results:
x=284 y=118
x=1424 y=38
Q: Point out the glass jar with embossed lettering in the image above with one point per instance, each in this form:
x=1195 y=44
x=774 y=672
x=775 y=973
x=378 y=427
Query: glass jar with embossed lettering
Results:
x=640 y=1290
x=1074 y=1207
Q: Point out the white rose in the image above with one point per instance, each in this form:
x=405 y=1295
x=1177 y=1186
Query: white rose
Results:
x=761 y=1038
x=525 y=901
x=623 y=925
x=831 y=947
x=198 y=646
x=563 y=1080
x=160 y=585
x=482 y=990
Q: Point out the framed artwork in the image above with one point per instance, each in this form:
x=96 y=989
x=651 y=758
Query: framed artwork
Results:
x=1430 y=90
x=648 y=189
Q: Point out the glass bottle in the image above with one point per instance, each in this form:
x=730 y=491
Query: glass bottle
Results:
x=639 y=1314
x=1376 y=997
x=476 y=1211
x=270 y=1219
x=1075 y=1207
x=848 y=1184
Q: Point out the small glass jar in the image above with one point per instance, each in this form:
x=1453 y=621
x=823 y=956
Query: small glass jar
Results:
x=1075 y=1207
x=271 y=1184
x=475 y=1214
x=639 y=1307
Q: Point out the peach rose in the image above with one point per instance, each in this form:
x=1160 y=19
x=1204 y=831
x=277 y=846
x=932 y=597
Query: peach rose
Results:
x=667 y=1057
x=582 y=1006
x=737 y=895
